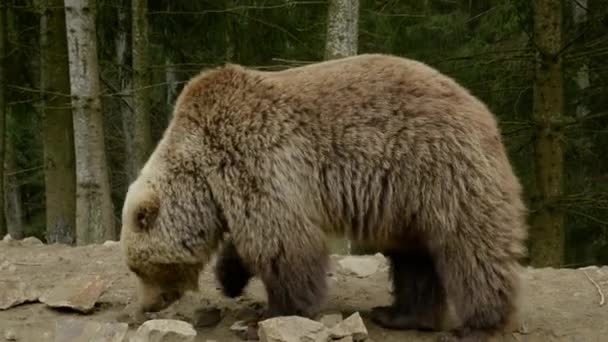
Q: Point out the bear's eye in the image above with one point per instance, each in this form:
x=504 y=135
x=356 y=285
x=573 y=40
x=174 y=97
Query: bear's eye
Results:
x=141 y=219
x=145 y=216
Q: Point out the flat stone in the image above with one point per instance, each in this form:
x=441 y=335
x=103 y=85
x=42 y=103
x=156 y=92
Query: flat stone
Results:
x=360 y=266
x=164 y=330
x=31 y=241
x=351 y=326
x=292 y=329
x=344 y=339
x=15 y=292
x=207 y=317
x=111 y=243
x=330 y=320
x=78 y=293
x=80 y=330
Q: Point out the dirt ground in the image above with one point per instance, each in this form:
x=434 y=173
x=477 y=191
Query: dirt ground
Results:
x=558 y=304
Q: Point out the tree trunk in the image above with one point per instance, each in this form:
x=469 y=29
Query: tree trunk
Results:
x=94 y=218
x=171 y=86
x=59 y=164
x=3 y=104
x=579 y=13
x=229 y=31
x=341 y=41
x=342 y=29
x=547 y=233
x=142 y=139
x=125 y=80
x=13 y=202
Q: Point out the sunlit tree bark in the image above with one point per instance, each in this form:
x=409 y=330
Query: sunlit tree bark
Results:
x=94 y=217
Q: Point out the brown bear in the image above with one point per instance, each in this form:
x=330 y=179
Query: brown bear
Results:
x=384 y=150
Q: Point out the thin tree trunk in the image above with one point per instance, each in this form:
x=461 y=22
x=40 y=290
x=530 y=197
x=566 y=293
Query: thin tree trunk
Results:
x=3 y=104
x=171 y=86
x=125 y=79
x=59 y=164
x=229 y=32
x=342 y=29
x=13 y=201
x=547 y=233
x=94 y=212
x=142 y=139
x=579 y=13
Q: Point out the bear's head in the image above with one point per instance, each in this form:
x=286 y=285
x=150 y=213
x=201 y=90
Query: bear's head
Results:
x=170 y=223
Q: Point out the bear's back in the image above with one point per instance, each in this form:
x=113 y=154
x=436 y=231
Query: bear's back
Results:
x=366 y=106
x=380 y=89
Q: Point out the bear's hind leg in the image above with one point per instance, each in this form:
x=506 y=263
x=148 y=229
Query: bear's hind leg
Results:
x=417 y=291
x=230 y=271
x=482 y=287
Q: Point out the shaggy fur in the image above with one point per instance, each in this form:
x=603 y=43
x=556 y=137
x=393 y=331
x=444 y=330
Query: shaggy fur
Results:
x=381 y=149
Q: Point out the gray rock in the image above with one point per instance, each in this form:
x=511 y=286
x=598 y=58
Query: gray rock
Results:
x=244 y=330
x=344 y=339
x=80 y=330
x=383 y=261
x=164 y=330
x=31 y=241
x=292 y=329
x=111 y=243
x=15 y=292
x=10 y=335
x=360 y=266
x=7 y=238
x=330 y=320
x=351 y=326
x=78 y=293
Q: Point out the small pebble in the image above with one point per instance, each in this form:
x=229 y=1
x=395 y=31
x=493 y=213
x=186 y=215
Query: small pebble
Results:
x=10 y=335
x=244 y=330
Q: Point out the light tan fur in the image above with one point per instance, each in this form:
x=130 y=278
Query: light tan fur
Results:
x=381 y=149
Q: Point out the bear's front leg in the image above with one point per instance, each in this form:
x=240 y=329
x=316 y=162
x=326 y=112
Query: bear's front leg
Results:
x=230 y=271
x=295 y=281
x=294 y=277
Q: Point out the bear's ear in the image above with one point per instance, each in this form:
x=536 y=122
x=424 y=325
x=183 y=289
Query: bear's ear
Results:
x=146 y=214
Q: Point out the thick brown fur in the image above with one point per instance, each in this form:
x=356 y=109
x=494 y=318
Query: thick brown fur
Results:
x=382 y=149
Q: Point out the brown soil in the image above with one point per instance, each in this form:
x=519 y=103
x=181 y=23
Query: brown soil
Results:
x=558 y=304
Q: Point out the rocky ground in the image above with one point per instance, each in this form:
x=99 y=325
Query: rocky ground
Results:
x=52 y=292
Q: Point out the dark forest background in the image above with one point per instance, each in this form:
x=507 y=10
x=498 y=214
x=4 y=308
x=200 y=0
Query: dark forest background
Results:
x=541 y=66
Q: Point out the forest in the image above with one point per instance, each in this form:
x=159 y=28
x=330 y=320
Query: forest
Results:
x=87 y=88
